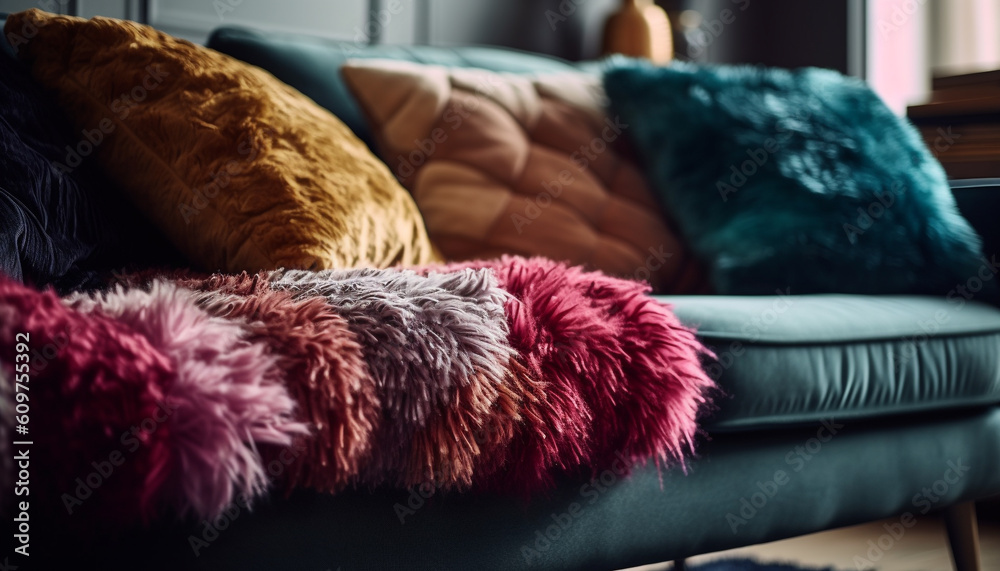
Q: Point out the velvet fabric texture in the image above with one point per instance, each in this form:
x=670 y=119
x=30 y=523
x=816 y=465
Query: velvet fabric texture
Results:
x=802 y=181
x=241 y=171
x=519 y=164
x=61 y=221
x=225 y=398
x=309 y=63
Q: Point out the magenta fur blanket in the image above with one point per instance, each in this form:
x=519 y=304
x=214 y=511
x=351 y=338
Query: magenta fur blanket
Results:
x=499 y=376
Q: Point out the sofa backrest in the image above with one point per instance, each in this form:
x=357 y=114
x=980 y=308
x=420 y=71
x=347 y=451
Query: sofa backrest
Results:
x=312 y=65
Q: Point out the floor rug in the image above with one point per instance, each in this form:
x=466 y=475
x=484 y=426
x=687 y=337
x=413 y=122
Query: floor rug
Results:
x=751 y=565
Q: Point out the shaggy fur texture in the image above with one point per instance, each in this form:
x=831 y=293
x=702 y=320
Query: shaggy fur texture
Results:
x=324 y=370
x=225 y=399
x=800 y=179
x=621 y=376
x=436 y=347
x=500 y=375
x=94 y=381
x=665 y=385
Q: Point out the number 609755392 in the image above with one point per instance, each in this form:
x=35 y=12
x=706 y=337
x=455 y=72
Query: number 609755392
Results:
x=21 y=367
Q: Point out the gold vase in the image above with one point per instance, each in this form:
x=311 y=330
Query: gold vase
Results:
x=639 y=29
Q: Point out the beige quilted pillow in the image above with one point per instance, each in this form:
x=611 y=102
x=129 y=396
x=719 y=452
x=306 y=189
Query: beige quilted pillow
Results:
x=512 y=164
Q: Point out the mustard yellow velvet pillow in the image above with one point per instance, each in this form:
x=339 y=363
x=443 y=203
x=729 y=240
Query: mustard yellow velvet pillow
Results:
x=239 y=170
x=515 y=164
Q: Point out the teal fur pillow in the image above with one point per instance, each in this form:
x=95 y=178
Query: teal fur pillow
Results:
x=800 y=180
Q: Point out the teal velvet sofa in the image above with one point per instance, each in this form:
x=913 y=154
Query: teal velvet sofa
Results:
x=838 y=410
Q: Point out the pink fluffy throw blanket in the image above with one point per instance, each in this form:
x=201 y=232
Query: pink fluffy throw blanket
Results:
x=502 y=375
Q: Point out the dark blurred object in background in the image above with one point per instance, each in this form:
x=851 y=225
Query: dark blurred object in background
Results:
x=783 y=33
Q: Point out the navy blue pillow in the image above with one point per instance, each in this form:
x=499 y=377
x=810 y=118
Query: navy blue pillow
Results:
x=61 y=222
x=794 y=179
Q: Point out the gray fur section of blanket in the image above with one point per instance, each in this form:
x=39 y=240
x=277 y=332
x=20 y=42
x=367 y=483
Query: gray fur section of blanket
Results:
x=424 y=336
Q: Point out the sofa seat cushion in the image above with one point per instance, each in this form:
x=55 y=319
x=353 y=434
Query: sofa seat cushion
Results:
x=788 y=359
x=864 y=473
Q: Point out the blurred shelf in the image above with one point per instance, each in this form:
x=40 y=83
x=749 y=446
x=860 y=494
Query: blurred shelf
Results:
x=961 y=124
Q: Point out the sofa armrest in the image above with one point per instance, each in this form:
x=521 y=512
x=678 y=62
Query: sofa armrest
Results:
x=979 y=202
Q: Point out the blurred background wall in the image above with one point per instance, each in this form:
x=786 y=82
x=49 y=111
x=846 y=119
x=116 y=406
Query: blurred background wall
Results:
x=897 y=45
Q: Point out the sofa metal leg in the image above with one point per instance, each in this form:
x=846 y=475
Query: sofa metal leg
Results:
x=963 y=536
x=679 y=565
